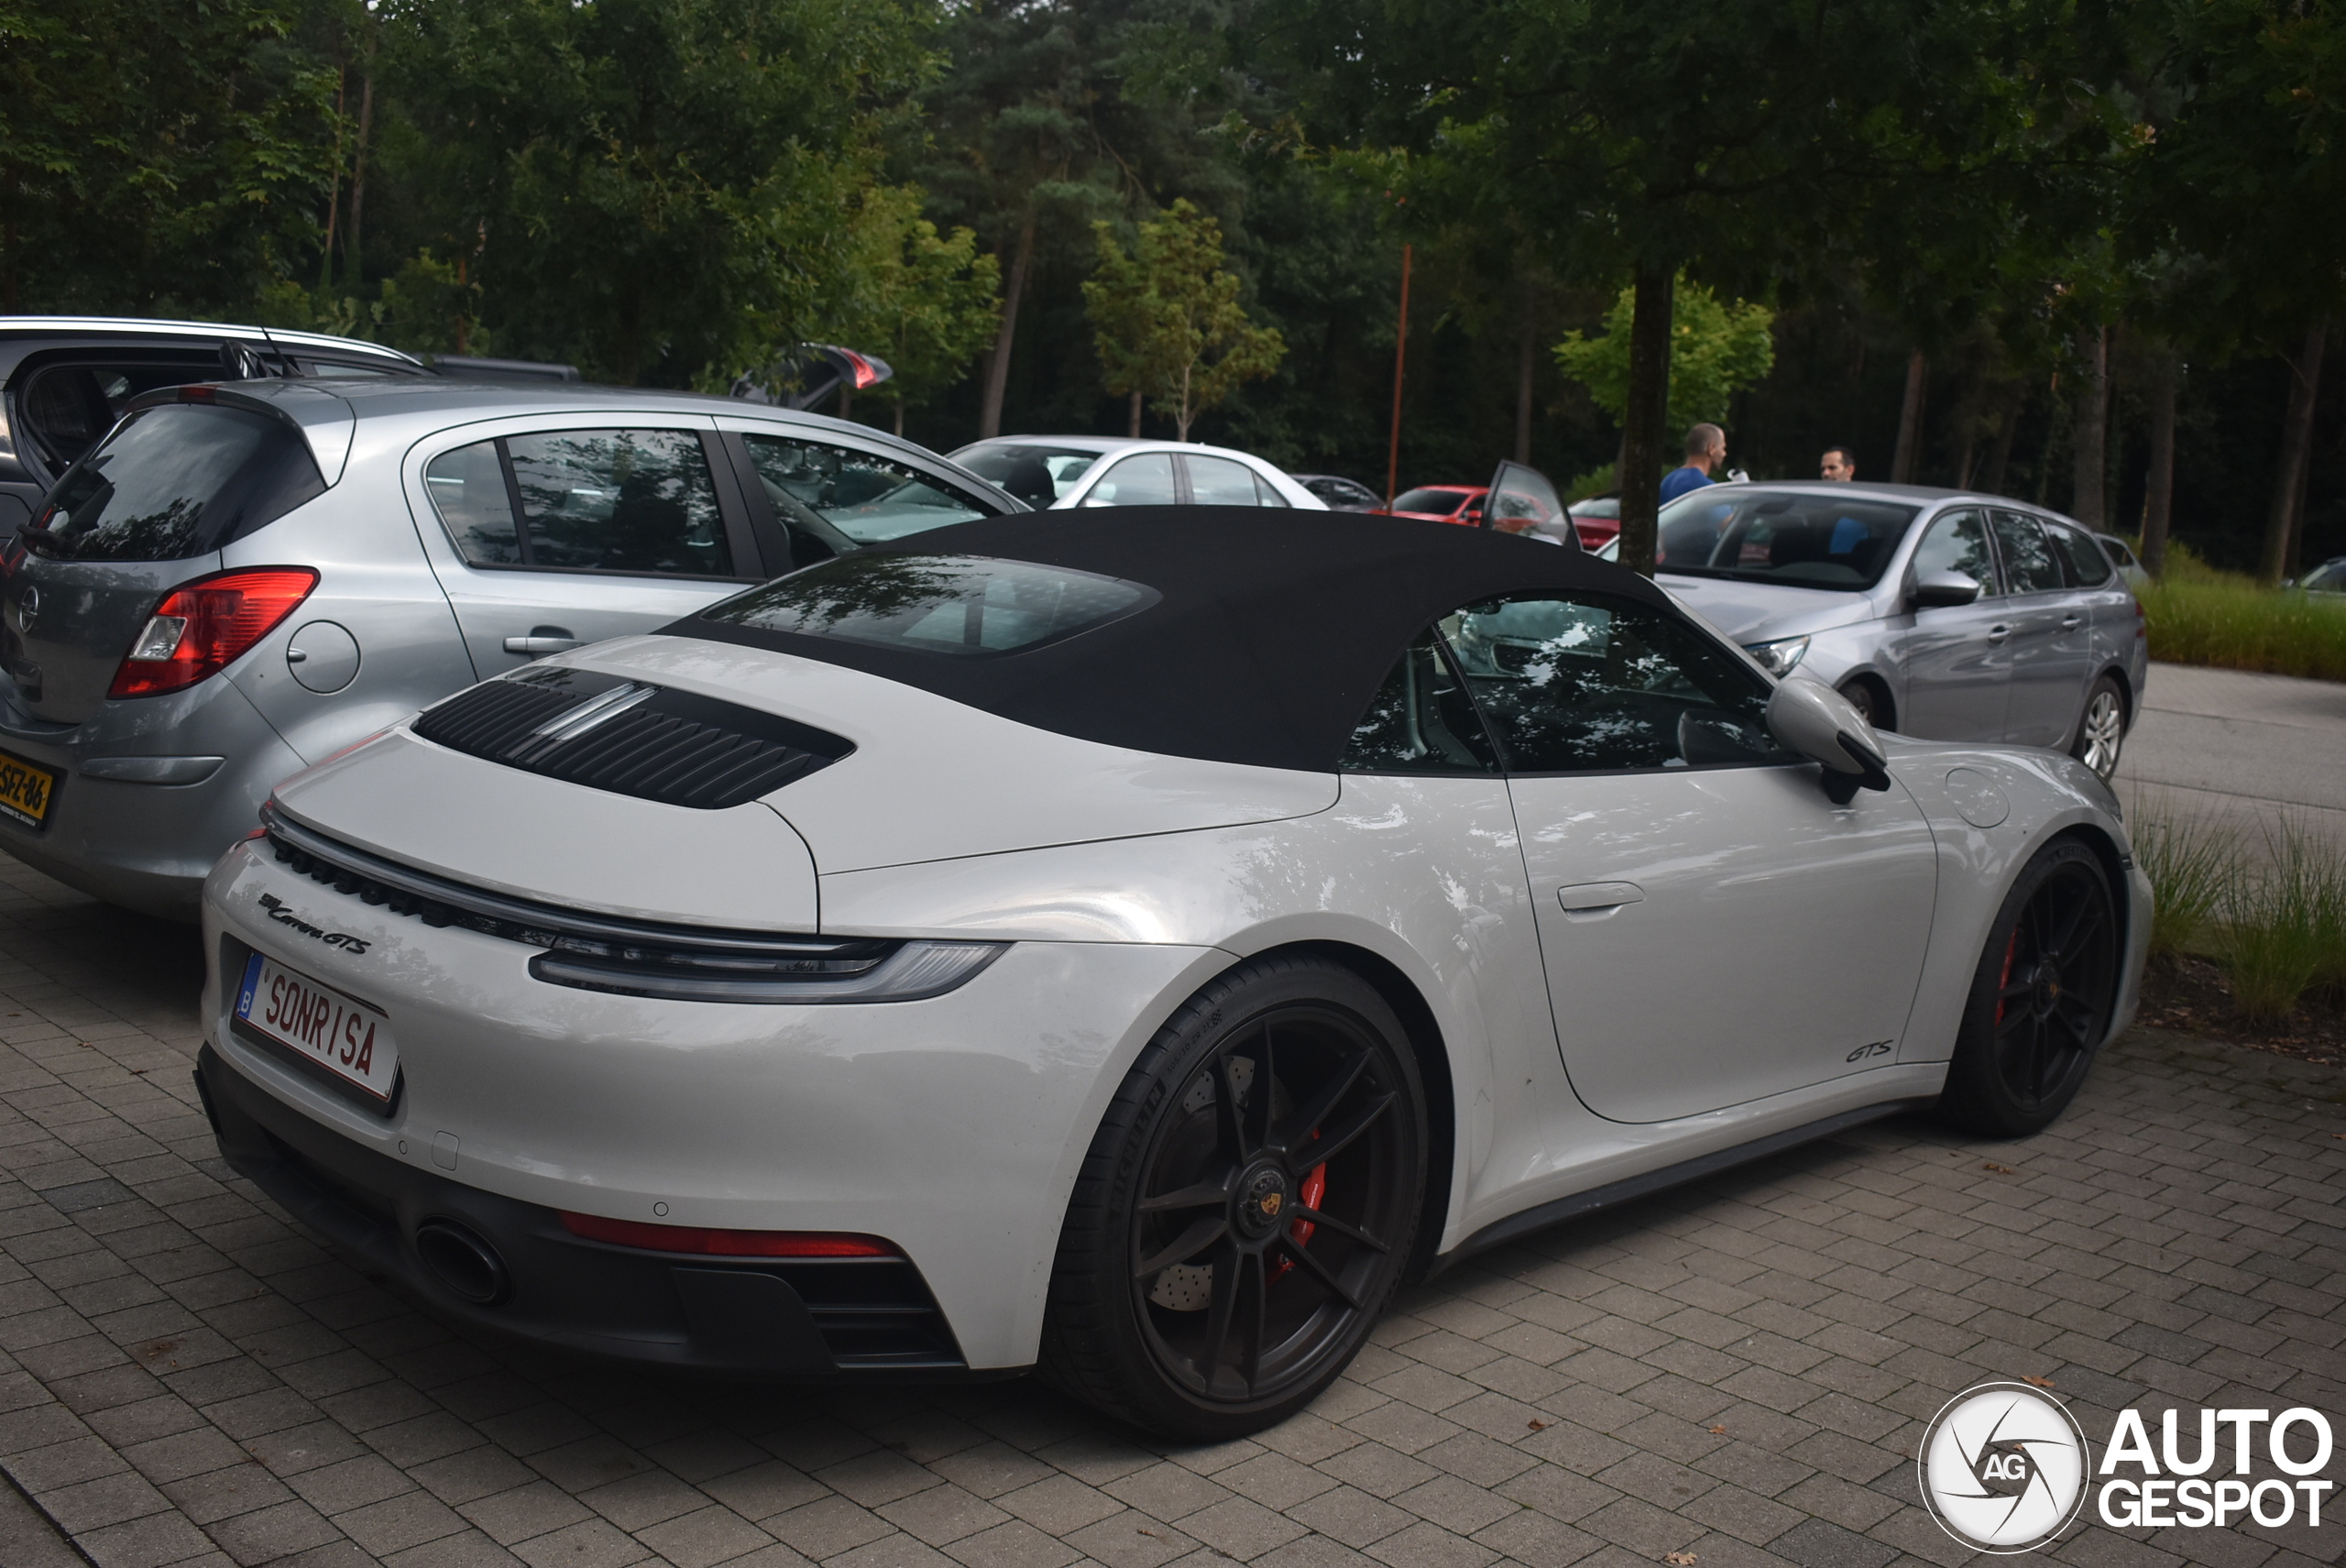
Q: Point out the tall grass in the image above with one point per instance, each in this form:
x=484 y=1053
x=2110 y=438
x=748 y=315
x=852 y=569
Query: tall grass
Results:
x=2191 y=864
x=2202 y=616
x=2275 y=920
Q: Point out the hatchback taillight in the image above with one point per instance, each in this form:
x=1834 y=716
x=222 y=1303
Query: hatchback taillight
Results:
x=203 y=627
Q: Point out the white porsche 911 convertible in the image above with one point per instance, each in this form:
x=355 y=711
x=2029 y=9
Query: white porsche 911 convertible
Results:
x=1123 y=944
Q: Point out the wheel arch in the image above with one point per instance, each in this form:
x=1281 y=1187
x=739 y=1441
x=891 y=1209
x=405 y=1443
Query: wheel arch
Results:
x=1427 y=1043
x=1879 y=685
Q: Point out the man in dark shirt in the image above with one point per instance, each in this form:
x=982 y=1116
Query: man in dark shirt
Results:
x=1706 y=450
x=1840 y=463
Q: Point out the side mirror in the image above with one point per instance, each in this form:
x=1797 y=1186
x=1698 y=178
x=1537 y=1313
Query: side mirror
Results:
x=1944 y=590
x=1826 y=727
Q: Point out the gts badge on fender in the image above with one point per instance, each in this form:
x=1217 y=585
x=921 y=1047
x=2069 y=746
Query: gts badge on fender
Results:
x=1879 y=1048
x=284 y=917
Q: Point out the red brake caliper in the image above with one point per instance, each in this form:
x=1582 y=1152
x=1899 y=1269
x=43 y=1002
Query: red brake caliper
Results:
x=1315 y=1187
x=2004 y=981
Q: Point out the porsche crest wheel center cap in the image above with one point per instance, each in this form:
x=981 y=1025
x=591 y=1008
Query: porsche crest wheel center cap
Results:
x=1262 y=1200
x=2048 y=988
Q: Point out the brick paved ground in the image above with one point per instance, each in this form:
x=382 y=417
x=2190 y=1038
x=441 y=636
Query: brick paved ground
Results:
x=1737 y=1370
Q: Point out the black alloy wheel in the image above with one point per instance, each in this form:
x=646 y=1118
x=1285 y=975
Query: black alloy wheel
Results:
x=2041 y=998
x=1246 y=1207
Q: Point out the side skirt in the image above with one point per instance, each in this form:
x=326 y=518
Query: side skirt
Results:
x=1516 y=1226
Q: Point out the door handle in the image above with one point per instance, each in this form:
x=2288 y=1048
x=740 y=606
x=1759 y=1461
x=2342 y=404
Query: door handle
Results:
x=1595 y=900
x=2072 y=622
x=1999 y=632
x=542 y=640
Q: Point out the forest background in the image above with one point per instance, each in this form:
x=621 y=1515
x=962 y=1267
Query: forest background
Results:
x=2004 y=243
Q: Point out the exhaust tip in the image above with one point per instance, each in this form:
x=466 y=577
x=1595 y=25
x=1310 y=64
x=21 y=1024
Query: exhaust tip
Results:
x=463 y=1262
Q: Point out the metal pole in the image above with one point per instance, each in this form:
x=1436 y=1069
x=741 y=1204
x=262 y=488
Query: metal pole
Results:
x=1401 y=352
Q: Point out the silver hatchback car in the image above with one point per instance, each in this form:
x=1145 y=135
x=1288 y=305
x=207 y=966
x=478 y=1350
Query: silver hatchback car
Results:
x=1947 y=615
x=244 y=578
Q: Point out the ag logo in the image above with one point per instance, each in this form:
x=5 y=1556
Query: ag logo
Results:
x=2003 y=1468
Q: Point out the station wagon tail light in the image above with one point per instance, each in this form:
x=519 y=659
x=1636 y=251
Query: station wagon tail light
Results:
x=724 y=1243
x=203 y=627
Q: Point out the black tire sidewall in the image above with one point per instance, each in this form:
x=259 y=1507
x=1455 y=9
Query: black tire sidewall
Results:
x=1093 y=1342
x=1976 y=1098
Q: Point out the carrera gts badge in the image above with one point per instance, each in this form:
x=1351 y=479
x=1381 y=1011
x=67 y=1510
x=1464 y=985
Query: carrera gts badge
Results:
x=285 y=917
x=1879 y=1048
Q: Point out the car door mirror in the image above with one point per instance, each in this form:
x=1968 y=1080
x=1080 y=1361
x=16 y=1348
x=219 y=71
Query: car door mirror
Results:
x=1821 y=724
x=1944 y=590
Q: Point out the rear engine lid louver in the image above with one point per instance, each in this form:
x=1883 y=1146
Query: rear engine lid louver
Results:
x=608 y=732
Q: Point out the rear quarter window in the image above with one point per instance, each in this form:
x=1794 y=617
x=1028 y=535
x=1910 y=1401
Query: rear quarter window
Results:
x=177 y=481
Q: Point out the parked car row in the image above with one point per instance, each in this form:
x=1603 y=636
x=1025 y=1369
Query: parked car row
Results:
x=736 y=892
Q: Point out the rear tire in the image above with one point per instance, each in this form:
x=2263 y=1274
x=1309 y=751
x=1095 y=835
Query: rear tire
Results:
x=2040 y=1000
x=2101 y=727
x=1246 y=1207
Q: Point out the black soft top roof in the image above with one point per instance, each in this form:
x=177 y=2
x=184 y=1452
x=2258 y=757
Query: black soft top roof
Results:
x=1272 y=630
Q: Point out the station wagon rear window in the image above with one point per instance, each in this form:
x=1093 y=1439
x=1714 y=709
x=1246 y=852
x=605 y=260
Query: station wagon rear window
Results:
x=962 y=605
x=1796 y=538
x=177 y=481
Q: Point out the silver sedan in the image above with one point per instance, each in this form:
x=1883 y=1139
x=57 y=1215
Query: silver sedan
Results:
x=1948 y=615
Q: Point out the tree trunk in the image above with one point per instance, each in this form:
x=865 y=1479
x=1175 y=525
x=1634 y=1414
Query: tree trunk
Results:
x=1910 y=421
x=900 y=419
x=2158 y=500
x=351 y=266
x=998 y=362
x=2090 y=443
x=1642 y=436
x=1131 y=425
x=847 y=399
x=2296 y=448
x=2000 y=463
x=333 y=186
x=1526 y=356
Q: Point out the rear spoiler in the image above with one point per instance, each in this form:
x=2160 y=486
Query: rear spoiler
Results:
x=323 y=420
x=815 y=372
x=461 y=368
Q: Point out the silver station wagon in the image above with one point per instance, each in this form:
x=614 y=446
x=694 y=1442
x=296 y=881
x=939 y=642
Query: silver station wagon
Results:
x=244 y=578
x=1947 y=615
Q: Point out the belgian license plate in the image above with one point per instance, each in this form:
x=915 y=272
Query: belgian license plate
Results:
x=25 y=790
x=321 y=1025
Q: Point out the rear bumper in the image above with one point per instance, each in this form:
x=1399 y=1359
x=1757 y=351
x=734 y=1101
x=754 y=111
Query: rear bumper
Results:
x=149 y=846
x=811 y=1319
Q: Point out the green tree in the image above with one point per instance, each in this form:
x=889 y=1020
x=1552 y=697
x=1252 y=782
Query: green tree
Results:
x=652 y=188
x=1166 y=320
x=1742 y=145
x=1716 y=351
x=927 y=302
x=158 y=155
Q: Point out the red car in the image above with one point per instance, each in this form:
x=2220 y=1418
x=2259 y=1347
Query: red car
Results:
x=1443 y=504
x=1597 y=520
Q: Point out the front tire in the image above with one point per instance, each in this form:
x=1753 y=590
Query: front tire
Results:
x=2040 y=1000
x=1246 y=1207
x=2101 y=727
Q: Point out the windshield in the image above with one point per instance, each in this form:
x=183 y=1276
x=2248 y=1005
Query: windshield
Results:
x=1778 y=536
x=176 y=481
x=1443 y=501
x=937 y=604
x=1037 y=474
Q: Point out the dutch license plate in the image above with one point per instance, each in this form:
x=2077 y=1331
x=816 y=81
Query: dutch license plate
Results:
x=25 y=790
x=321 y=1025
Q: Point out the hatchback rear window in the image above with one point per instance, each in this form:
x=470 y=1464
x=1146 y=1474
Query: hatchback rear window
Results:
x=176 y=481
x=960 y=604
